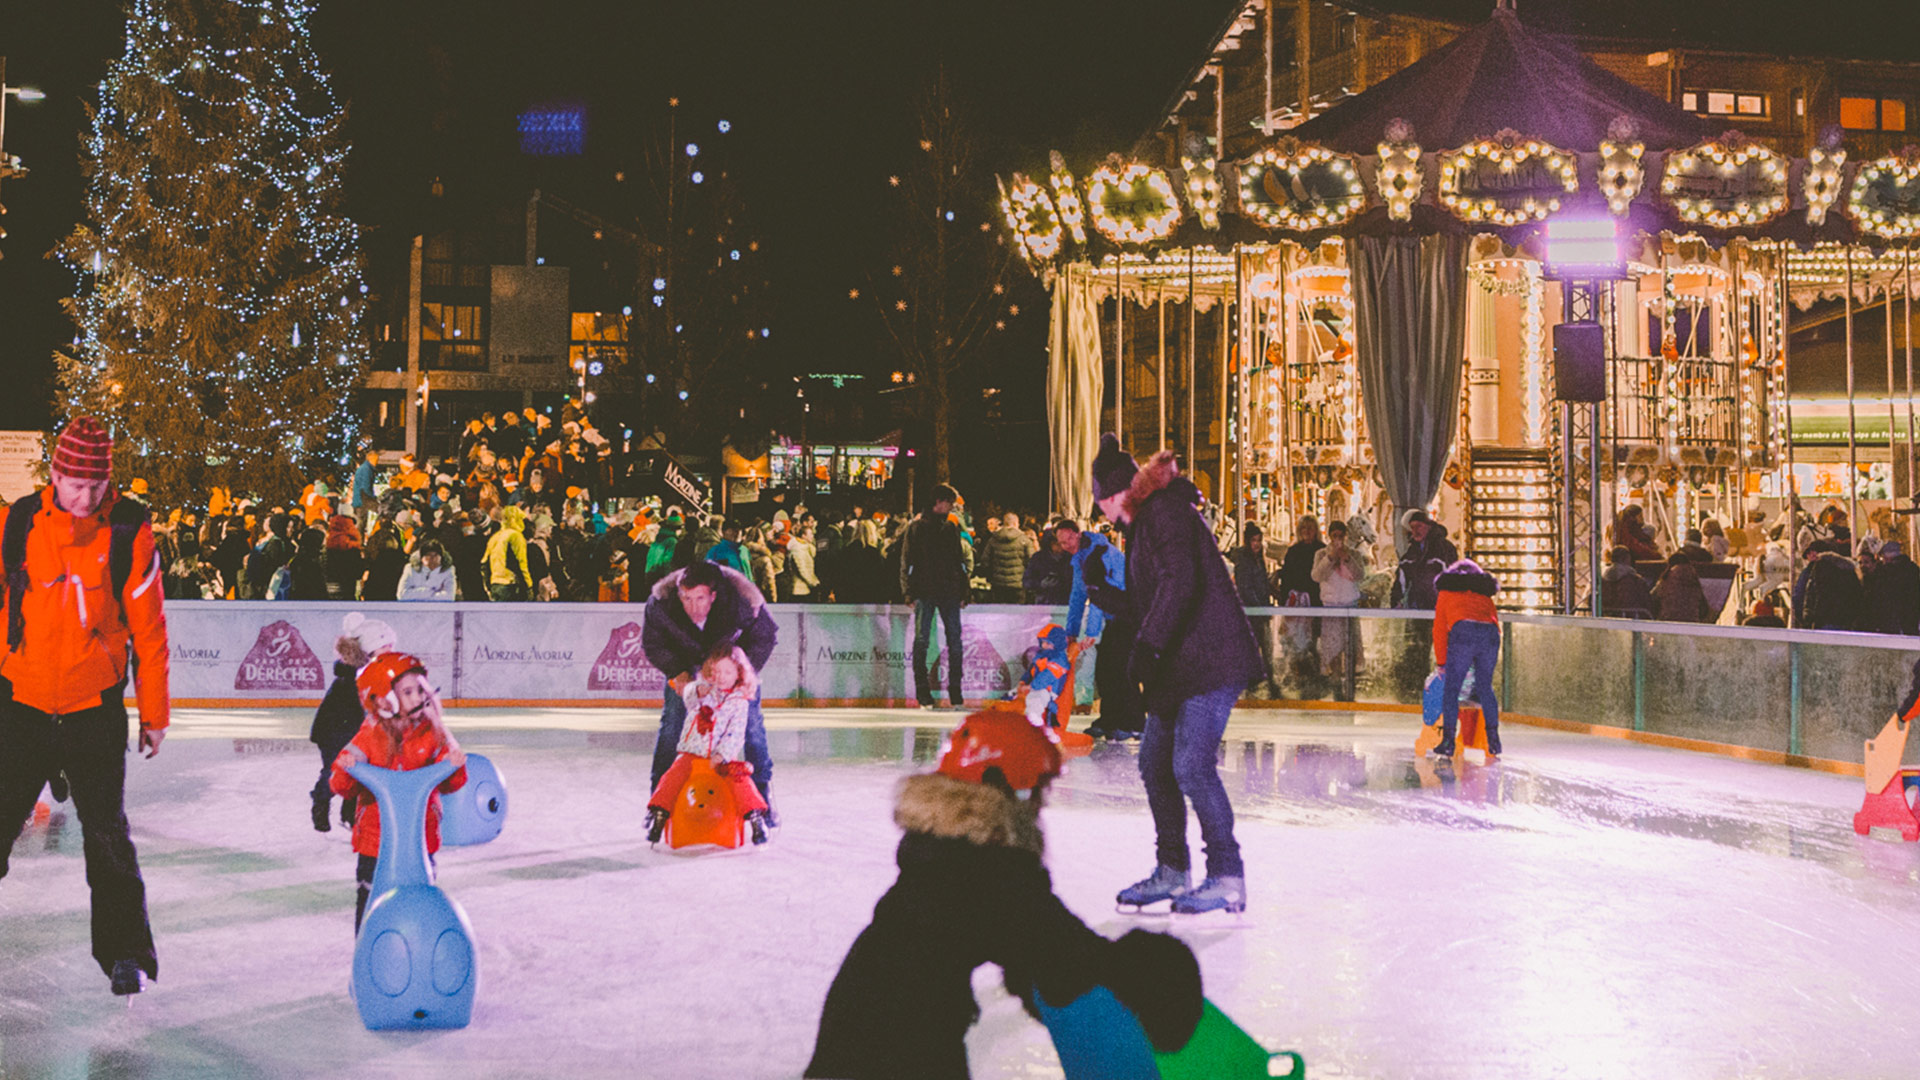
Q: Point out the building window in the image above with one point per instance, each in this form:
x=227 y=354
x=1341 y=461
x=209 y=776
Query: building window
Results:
x=1873 y=113
x=1738 y=103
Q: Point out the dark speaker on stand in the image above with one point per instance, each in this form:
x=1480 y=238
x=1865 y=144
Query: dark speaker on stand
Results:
x=1579 y=362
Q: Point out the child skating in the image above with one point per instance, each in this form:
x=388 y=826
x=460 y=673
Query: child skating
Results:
x=340 y=715
x=716 y=729
x=974 y=890
x=1466 y=638
x=403 y=731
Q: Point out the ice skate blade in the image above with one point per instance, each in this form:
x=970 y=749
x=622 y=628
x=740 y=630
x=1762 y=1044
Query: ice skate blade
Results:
x=1159 y=909
x=1217 y=919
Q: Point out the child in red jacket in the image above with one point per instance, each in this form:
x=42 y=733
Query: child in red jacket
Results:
x=403 y=731
x=1466 y=637
x=716 y=729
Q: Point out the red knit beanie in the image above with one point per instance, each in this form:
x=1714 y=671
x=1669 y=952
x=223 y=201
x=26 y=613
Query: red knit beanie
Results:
x=84 y=451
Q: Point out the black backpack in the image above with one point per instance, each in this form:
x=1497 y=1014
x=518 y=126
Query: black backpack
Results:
x=125 y=518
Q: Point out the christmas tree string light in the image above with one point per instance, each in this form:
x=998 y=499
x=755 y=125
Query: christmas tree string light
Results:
x=220 y=285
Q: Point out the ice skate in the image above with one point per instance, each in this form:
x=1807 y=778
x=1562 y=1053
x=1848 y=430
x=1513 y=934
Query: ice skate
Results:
x=756 y=822
x=1162 y=886
x=656 y=824
x=1225 y=895
x=128 y=979
x=322 y=817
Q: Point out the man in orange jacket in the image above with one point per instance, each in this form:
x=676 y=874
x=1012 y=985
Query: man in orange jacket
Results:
x=79 y=602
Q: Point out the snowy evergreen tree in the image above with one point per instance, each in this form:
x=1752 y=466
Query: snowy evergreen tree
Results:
x=221 y=288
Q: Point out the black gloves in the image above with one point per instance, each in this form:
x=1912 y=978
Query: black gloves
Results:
x=1143 y=667
x=1157 y=977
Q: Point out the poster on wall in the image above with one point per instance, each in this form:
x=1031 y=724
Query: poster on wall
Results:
x=22 y=454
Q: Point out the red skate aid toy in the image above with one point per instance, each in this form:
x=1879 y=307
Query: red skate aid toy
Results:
x=1886 y=810
x=707 y=796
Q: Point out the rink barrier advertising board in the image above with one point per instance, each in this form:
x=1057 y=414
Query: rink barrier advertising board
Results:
x=240 y=653
x=1805 y=698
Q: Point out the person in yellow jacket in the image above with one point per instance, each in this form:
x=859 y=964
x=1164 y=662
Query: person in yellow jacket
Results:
x=84 y=597
x=507 y=577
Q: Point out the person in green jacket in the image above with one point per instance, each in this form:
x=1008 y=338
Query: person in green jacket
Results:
x=507 y=577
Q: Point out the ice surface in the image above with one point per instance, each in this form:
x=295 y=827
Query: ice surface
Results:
x=1588 y=908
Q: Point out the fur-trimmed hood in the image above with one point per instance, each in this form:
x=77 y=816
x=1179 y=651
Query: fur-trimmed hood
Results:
x=667 y=588
x=981 y=814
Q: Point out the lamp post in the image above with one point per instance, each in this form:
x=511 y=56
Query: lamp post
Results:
x=9 y=165
x=1583 y=254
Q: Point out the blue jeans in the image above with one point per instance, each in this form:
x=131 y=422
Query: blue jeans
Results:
x=923 y=613
x=1471 y=646
x=1179 y=762
x=673 y=717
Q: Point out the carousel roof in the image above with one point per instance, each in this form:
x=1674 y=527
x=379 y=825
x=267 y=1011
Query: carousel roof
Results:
x=1503 y=75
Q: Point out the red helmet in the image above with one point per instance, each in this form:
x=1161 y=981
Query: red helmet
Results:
x=377 y=679
x=1025 y=753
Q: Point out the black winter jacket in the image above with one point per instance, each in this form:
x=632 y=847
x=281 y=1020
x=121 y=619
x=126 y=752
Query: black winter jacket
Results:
x=1893 y=597
x=339 y=715
x=1421 y=563
x=972 y=890
x=933 y=565
x=1194 y=636
x=739 y=617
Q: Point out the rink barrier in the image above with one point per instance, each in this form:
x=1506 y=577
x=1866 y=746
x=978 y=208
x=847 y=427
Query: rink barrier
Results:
x=1806 y=698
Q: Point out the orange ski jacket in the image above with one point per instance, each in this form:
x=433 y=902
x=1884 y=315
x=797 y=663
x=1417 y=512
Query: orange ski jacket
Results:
x=78 y=635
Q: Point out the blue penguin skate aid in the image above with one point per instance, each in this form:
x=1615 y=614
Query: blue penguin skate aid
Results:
x=414 y=966
x=478 y=811
x=1096 y=1036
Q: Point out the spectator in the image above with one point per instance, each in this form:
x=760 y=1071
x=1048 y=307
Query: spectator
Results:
x=1294 y=587
x=1893 y=593
x=1623 y=592
x=1046 y=581
x=614 y=579
x=1631 y=532
x=1428 y=553
x=344 y=562
x=1715 y=539
x=427 y=577
x=469 y=550
x=863 y=568
x=267 y=557
x=364 y=501
x=801 y=581
x=386 y=561
x=1339 y=570
x=662 y=554
x=1677 y=596
x=760 y=563
x=933 y=578
x=729 y=552
x=1832 y=598
x=1763 y=616
x=1003 y=560
x=1694 y=549
x=307 y=571
x=230 y=555
x=1253 y=582
x=508 y=576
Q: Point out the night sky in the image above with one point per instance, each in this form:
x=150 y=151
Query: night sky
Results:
x=819 y=95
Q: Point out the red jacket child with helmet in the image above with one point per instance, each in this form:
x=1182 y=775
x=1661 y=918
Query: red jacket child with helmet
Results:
x=403 y=731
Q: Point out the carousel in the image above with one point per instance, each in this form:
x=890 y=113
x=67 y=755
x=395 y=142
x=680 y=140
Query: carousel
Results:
x=1503 y=286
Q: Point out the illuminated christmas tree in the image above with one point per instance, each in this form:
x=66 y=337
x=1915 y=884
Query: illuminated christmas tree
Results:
x=220 y=297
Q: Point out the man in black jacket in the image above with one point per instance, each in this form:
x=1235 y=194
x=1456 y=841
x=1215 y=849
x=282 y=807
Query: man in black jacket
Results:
x=690 y=613
x=1893 y=593
x=1193 y=656
x=1428 y=553
x=933 y=578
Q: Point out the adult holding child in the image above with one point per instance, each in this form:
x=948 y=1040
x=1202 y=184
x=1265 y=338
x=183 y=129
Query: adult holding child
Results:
x=690 y=613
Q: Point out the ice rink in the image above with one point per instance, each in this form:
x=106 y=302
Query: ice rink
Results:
x=1587 y=908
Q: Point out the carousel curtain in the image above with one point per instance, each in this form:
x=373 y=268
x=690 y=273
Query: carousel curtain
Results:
x=1076 y=382
x=1410 y=316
